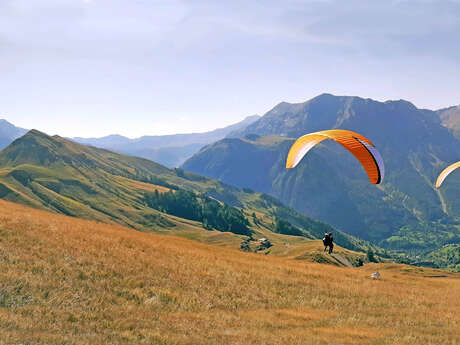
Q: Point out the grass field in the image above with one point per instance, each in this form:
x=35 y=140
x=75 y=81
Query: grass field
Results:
x=65 y=280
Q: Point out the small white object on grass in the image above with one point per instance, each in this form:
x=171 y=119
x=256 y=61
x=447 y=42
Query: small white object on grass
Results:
x=375 y=275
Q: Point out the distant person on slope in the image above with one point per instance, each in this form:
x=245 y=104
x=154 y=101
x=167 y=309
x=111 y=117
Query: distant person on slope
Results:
x=328 y=241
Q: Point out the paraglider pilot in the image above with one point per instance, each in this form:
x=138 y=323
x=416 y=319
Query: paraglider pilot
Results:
x=328 y=241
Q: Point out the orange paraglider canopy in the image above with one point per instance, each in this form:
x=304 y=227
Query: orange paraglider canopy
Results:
x=361 y=147
x=445 y=173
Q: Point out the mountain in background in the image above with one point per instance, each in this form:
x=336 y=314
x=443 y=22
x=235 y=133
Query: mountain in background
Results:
x=59 y=175
x=9 y=132
x=450 y=118
x=169 y=150
x=406 y=212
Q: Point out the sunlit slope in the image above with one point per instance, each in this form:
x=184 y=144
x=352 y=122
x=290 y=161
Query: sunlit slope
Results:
x=65 y=280
x=55 y=174
x=59 y=175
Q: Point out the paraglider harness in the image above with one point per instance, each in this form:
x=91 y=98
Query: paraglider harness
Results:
x=328 y=242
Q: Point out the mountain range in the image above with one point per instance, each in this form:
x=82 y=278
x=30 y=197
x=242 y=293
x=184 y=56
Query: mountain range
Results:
x=405 y=212
x=169 y=150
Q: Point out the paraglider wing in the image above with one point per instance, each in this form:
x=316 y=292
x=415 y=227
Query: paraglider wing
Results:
x=361 y=147
x=442 y=176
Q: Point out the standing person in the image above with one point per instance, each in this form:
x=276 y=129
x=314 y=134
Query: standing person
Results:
x=331 y=243
x=326 y=241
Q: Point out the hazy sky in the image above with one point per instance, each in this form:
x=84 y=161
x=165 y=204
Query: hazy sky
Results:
x=135 y=67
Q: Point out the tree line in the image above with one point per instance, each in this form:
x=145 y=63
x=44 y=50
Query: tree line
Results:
x=199 y=207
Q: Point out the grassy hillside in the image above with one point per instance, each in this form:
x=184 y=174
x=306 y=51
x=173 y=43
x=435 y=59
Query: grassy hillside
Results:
x=65 y=280
x=55 y=174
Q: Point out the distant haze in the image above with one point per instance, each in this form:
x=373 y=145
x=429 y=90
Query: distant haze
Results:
x=90 y=68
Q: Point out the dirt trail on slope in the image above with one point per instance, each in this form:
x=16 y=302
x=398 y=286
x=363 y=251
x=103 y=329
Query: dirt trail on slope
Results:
x=430 y=183
x=344 y=261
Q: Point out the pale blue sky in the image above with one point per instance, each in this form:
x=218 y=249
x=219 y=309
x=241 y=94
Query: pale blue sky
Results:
x=138 y=67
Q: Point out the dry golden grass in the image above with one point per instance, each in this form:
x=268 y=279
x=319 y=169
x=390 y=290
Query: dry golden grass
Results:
x=68 y=281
